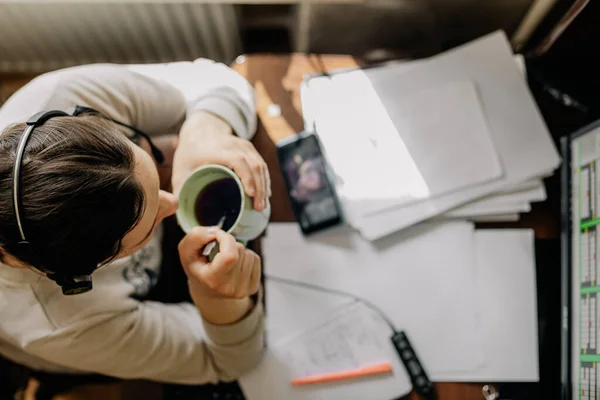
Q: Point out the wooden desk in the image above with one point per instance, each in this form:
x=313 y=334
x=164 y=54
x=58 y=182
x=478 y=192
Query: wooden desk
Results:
x=277 y=79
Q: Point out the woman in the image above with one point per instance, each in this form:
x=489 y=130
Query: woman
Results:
x=89 y=204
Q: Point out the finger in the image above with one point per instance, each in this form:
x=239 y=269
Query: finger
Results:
x=268 y=175
x=257 y=166
x=265 y=176
x=242 y=169
x=191 y=245
x=244 y=274
x=218 y=272
x=239 y=276
x=266 y=182
x=199 y=272
x=228 y=254
x=254 y=283
x=251 y=150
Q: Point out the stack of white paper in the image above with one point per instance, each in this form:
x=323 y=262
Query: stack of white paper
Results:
x=466 y=298
x=457 y=135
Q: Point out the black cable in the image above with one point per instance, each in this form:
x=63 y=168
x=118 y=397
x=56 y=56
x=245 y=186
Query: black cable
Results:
x=419 y=379
x=317 y=288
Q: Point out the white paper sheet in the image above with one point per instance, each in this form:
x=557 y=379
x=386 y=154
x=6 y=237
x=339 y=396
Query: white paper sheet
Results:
x=477 y=210
x=517 y=128
x=291 y=309
x=496 y=218
x=508 y=307
x=529 y=184
x=502 y=202
x=307 y=103
x=349 y=338
x=403 y=148
x=422 y=278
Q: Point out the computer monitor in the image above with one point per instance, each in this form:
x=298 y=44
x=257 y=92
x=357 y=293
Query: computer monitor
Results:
x=581 y=264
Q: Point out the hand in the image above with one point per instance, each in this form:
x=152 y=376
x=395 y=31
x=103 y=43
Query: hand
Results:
x=234 y=273
x=207 y=139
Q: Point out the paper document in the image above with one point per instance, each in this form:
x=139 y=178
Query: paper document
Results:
x=351 y=337
x=501 y=203
x=496 y=218
x=476 y=210
x=422 y=278
x=517 y=129
x=391 y=148
x=530 y=184
x=308 y=103
x=506 y=296
x=291 y=309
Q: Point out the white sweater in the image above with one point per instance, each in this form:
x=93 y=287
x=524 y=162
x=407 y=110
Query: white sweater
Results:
x=107 y=330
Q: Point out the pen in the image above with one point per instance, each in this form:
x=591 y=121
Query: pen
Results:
x=348 y=374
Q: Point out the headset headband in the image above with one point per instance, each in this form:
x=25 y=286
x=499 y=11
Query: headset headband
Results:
x=70 y=284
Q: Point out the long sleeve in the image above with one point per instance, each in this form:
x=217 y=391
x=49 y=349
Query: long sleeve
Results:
x=155 y=98
x=210 y=86
x=155 y=341
x=109 y=331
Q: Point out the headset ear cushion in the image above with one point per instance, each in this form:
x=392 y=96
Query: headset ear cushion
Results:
x=72 y=285
x=77 y=288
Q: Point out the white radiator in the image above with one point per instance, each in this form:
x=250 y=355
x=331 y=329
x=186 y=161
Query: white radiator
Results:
x=41 y=37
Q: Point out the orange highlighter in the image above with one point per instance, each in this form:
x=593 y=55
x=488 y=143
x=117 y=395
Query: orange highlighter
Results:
x=348 y=374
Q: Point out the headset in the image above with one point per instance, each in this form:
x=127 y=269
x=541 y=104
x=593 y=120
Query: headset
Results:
x=69 y=284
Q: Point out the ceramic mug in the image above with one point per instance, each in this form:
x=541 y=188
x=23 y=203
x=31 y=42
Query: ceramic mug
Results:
x=247 y=225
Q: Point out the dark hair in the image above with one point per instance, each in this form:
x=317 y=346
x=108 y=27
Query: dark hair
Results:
x=79 y=193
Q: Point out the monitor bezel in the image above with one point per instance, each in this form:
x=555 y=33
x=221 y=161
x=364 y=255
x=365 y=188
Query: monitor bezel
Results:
x=566 y=260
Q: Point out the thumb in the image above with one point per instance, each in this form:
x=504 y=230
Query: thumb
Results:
x=190 y=247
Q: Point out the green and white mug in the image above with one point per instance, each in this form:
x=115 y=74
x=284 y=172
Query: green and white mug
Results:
x=249 y=223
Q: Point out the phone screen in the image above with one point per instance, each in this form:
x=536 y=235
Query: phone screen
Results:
x=312 y=195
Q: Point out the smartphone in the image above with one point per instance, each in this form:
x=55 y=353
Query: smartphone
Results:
x=308 y=181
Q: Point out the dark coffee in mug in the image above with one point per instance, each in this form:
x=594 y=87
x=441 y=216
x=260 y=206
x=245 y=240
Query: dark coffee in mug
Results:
x=221 y=198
